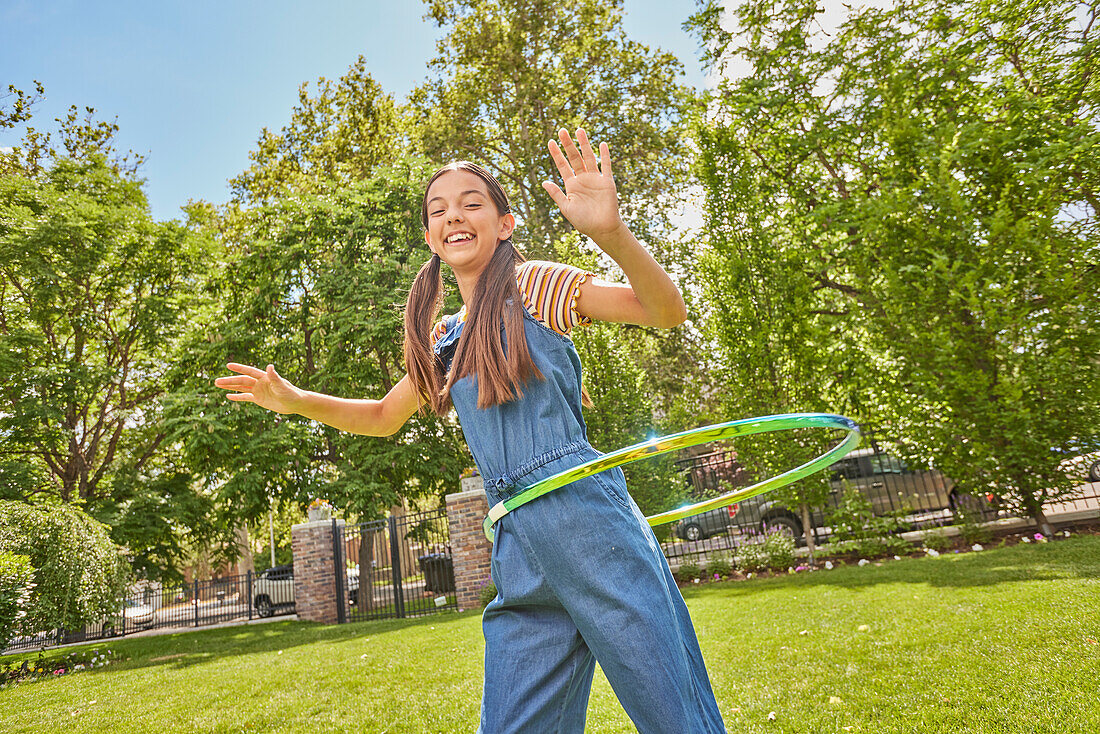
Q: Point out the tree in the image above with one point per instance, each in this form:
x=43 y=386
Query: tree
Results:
x=312 y=283
x=932 y=168
x=339 y=134
x=79 y=575
x=510 y=73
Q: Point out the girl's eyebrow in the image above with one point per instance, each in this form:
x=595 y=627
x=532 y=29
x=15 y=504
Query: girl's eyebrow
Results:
x=469 y=191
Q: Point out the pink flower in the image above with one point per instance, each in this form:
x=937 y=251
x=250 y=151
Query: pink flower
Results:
x=59 y=671
x=1038 y=536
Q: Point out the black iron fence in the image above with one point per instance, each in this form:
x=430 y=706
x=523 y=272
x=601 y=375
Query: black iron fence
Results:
x=190 y=604
x=920 y=497
x=397 y=567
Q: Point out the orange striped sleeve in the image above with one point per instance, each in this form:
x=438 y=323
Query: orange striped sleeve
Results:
x=437 y=331
x=551 y=290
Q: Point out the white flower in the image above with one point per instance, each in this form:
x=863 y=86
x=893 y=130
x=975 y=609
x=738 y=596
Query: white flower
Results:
x=897 y=558
x=1065 y=533
x=976 y=547
x=863 y=562
x=771 y=716
x=863 y=628
x=1025 y=539
x=932 y=552
x=828 y=565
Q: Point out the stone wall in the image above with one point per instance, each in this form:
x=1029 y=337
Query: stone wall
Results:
x=314 y=571
x=470 y=550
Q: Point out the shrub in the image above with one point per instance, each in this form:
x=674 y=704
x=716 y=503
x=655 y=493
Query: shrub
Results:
x=687 y=572
x=751 y=557
x=936 y=540
x=968 y=521
x=719 y=565
x=778 y=550
x=80 y=576
x=857 y=529
x=487 y=594
x=16 y=584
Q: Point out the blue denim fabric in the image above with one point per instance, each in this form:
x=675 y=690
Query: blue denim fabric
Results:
x=580 y=576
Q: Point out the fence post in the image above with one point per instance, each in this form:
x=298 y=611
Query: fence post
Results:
x=195 y=602
x=248 y=587
x=395 y=568
x=471 y=552
x=341 y=573
x=315 y=571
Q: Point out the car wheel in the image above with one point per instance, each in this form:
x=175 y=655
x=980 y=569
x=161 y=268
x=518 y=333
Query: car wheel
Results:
x=1094 y=471
x=693 y=532
x=264 y=607
x=784 y=524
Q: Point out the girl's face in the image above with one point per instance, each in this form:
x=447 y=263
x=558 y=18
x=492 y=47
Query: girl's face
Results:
x=464 y=226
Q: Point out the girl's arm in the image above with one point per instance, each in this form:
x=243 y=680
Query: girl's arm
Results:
x=591 y=204
x=368 y=417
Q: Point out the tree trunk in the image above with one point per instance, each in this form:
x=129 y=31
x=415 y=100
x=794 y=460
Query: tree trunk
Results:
x=1041 y=521
x=807 y=531
x=245 y=562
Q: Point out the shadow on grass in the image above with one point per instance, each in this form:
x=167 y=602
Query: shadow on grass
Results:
x=1062 y=559
x=185 y=649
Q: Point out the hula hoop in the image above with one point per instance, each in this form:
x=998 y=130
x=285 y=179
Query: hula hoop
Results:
x=694 y=437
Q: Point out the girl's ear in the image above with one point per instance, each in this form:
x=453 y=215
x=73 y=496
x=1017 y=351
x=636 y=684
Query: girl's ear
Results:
x=428 y=241
x=507 y=225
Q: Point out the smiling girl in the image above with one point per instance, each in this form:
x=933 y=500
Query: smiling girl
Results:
x=580 y=577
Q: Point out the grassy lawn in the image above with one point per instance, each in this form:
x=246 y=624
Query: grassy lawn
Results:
x=999 y=641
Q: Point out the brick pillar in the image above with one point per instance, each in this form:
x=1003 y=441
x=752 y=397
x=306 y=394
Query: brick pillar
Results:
x=314 y=571
x=470 y=550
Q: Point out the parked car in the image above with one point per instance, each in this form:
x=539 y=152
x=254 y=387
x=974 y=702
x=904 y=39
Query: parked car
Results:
x=1084 y=459
x=881 y=477
x=137 y=613
x=706 y=524
x=272 y=589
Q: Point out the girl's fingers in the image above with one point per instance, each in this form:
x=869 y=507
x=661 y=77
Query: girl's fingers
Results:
x=571 y=151
x=244 y=369
x=556 y=193
x=559 y=160
x=590 y=162
x=241 y=397
x=243 y=382
x=605 y=160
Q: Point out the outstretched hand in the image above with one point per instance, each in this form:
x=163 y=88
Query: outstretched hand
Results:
x=264 y=388
x=589 y=201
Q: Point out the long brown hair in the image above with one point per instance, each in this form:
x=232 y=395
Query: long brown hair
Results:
x=480 y=350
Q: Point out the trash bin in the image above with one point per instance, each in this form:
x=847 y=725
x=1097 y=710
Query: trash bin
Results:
x=439 y=572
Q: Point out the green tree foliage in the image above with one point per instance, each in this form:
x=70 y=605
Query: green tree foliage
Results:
x=510 y=73
x=313 y=283
x=932 y=171
x=339 y=133
x=79 y=574
x=93 y=297
x=16 y=586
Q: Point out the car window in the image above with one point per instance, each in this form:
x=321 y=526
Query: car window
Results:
x=887 y=464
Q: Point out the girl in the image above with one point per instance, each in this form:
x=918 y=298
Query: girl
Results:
x=579 y=575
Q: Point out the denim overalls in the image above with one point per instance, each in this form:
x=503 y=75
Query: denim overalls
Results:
x=580 y=577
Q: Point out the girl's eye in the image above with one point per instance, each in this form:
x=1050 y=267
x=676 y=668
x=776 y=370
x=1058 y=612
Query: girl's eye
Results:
x=436 y=213
x=472 y=206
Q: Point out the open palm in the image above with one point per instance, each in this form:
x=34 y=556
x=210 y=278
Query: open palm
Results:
x=264 y=388
x=590 y=201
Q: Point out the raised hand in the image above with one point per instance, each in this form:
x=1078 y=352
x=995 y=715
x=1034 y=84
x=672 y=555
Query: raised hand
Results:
x=589 y=201
x=266 y=389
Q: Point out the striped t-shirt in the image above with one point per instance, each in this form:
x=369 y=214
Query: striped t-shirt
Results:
x=549 y=293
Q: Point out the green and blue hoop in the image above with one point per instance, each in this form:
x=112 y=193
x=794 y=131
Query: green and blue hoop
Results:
x=694 y=437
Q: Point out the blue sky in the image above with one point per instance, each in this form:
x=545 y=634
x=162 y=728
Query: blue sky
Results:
x=192 y=83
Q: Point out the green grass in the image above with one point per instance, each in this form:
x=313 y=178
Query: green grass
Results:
x=999 y=641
